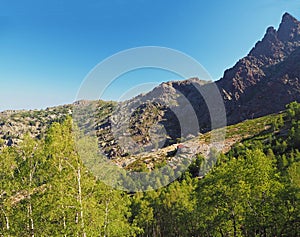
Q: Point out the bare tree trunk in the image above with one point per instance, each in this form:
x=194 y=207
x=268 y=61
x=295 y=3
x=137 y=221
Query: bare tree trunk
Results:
x=64 y=221
x=30 y=215
x=30 y=223
x=7 y=226
x=7 y=222
x=80 y=199
x=106 y=219
x=31 y=220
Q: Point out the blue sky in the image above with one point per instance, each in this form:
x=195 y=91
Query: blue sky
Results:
x=48 y=47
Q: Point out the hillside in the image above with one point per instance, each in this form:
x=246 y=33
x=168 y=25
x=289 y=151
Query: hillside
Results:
x=260 y=84
x=44 y=183
x=201 y=145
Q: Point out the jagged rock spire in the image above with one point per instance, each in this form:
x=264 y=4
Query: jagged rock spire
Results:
x=289 y=28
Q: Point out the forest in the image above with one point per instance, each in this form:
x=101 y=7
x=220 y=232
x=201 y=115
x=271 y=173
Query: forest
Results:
x=253 y=190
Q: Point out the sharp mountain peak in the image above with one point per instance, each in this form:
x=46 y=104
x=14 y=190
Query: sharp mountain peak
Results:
x=287 y=17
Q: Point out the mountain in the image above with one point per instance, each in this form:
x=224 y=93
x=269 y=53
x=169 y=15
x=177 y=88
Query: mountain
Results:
x=53 y=186
x=266 y=79
x=261 y=83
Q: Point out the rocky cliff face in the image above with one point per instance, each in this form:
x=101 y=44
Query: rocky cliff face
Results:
x=261 y=83
x=267 y=78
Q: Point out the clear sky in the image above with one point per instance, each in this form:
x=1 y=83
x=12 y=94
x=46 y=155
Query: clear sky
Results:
x=48 y=47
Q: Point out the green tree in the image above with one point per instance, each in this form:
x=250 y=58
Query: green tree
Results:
x=7 y=187
x=236 y=199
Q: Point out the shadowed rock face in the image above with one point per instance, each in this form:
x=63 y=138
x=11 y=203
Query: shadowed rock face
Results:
x=261 y=83
x=266 y=79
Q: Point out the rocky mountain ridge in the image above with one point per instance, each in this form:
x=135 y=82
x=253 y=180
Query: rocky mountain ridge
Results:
x=259 y=84
x=256 y=78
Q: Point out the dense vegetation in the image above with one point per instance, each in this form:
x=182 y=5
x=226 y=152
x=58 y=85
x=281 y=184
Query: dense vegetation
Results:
x=253 y=190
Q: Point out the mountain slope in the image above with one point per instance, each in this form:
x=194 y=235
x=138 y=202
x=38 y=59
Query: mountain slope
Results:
x=259 y=84
x=266 y=79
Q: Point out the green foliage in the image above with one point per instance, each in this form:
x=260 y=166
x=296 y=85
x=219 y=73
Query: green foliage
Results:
x=236 y=198
x=46 y=188
x=293 y=111
x=47 y=191
x=252 y=191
